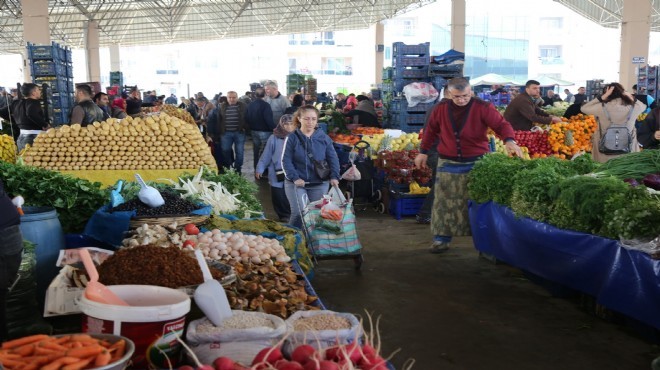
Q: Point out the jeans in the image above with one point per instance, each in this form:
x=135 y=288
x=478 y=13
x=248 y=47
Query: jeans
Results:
x=295 y=196
x=232 y=143
x=217 y=153
x=259 y=139
x=11 y=248
x=280 y=203
x=23 y=140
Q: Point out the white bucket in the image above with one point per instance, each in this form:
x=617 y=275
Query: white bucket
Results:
x=153 y=319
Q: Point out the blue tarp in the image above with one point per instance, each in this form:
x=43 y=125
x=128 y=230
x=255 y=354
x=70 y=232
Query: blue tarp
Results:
x=620 y=279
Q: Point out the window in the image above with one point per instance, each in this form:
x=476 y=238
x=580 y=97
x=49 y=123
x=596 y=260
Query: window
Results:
x=552 y=23
x=318 y=38
x=408 y=27
x=550 y=51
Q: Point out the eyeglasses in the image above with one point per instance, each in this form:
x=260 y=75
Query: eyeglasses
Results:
x=461 y=97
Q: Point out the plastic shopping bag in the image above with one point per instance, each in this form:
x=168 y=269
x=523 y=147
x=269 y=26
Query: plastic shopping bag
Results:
x=336 y=196
x=352 y=174
x=331 y=211
x=420 y=92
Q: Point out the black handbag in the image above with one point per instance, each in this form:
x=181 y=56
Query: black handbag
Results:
x=617 y=138
x=322 y=167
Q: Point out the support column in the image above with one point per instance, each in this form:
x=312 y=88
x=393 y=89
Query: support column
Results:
x=458 y=25
x=35 y=28
x=115 y=62
x=92 y=52
x=635 y=31
x=380 y=52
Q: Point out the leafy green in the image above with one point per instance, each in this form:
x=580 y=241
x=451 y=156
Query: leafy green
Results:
x=491 y=178
x=632 y=165
x=632 y=214
x=531 y=196
x=580 y=202
x=584 y=164
x=75 y=200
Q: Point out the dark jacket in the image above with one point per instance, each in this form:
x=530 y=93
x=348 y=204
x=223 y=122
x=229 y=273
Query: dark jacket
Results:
x=29 y=115
x=133 y=106
x=296 y=163
x=260 y=116
x=8 y=214
x=219 y=124
x=646 y=131
x=522 y=113
x=90 y=113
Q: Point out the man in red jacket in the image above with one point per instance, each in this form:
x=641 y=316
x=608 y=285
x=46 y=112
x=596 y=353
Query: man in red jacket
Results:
x=460 y=125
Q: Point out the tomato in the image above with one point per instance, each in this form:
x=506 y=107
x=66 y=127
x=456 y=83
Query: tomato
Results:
x=191 y=229
x=189 y=243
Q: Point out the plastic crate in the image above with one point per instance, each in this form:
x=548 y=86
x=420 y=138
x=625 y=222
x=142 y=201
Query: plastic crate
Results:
x=69 y=71
x=407 y=61
x=400 y=83
x=408 y=122
x=405 y=204
x=399 y=105
x=61 y=102
x=57 y=85
x=446 y=70
x=438 y=82
x=60 y=117
x=399 y=48
x=48 y=68
x=41 y=52
x=343 y=153
x=410 y=72
x=388 y=73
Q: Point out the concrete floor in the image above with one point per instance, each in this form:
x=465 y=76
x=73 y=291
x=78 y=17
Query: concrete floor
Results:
x=460 y=311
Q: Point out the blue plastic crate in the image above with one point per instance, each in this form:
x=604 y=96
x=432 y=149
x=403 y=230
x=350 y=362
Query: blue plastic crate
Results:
x=408 y=61
x=60 y=117
x=400 y=83
x=399 y=48
x=69 y=71
x=61 y=102
x=411 y=72
x=388 y=73
x=405 y=204
x=69 y=56
x=401 y=105
x=47 y=68
x=45 y=52
x=343 y=153
x=438 y=82
x=57 y=85
x=446 y=70
x=408 y=123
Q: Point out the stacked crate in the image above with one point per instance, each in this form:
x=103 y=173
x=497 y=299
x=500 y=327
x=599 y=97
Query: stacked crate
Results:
x=595 y=88
x=647 y=79
x=117 y=79
x=51 y=65
x=294 y=82
x=410 y=63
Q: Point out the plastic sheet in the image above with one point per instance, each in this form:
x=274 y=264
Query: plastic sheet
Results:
x=623 y=280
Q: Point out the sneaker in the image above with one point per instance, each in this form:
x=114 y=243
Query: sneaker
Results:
x=439 y=247
x=423 y=220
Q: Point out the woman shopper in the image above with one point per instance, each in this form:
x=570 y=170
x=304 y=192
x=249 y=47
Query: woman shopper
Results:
x=614 y=107
x=271 y=158
x=299 y=169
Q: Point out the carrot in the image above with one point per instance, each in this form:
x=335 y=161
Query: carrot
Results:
x=85 y=351
x=25 y=350
x=10 y=356
x=78 y=365
x=60 y=362
x=102 y=358
x=119 y=347
x=51 y=345
x=11 y=363
x=23 y=341
x=63 y=339
x=46 y=351
x=81 y=337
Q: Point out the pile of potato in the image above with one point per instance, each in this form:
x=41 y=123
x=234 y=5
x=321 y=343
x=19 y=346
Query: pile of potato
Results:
x=157 y=142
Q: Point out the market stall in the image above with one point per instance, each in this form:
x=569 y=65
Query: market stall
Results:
x=588 y=226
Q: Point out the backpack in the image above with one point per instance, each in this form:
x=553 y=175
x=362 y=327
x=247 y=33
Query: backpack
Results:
x=617 y=139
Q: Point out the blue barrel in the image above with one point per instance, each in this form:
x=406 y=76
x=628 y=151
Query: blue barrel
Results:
x=41 y=226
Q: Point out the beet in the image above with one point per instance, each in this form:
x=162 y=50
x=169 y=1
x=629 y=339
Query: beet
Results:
x=652 y=181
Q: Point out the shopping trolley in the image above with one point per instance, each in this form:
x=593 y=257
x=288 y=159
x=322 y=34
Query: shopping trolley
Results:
x=324 y=244
x=362 y=190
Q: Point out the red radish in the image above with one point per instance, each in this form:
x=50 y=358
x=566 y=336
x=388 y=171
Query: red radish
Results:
x=240 y=367
x=368 y=350
x=205 y=367
x=328 y=365
x=191 y=229
x=312 y=364
x=186 y=367
x=371 y=362
x=287 y=365
x=223 y=363
x=268 y=355
x=302 y=353
x=189 y=243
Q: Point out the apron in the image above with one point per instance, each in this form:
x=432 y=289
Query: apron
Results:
x=450 y=205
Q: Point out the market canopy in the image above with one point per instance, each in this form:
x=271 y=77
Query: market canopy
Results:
x=493 y=79
x=551 y=81
x=148 y=22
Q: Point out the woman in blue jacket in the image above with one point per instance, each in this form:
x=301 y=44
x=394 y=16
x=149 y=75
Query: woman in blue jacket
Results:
x=301 y=178
x=271 y=158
